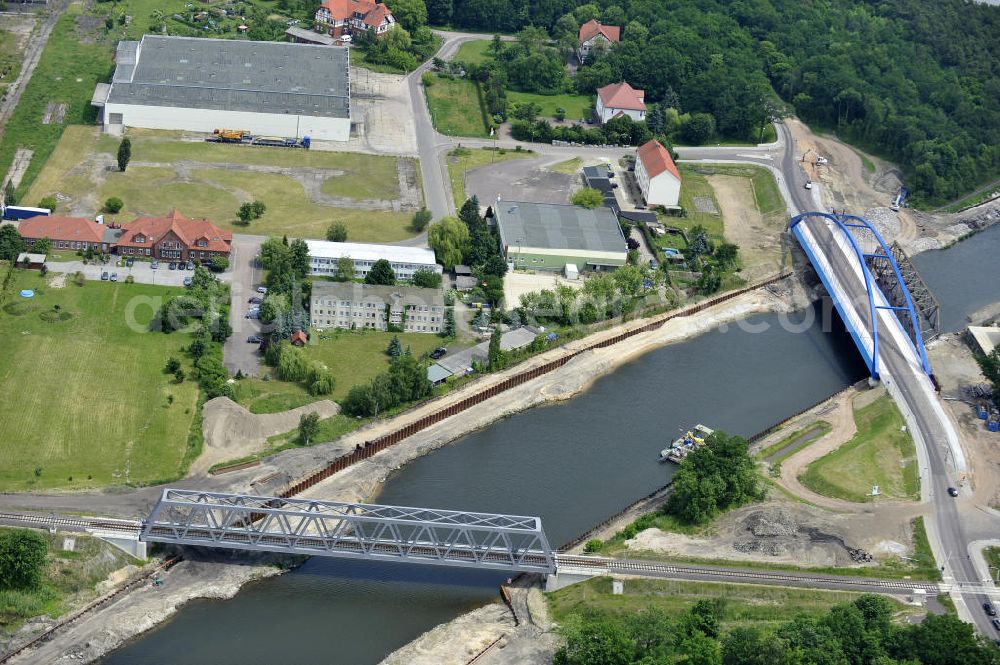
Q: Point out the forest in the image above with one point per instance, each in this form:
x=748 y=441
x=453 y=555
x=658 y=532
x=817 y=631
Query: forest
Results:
x=915 y=82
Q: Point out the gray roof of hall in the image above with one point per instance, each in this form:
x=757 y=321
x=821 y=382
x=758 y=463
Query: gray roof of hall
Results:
x=233 y=75
x=555 y=226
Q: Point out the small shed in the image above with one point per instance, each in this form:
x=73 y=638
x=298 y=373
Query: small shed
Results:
x=463 y=271
x=463 y=283
x=30 y=260
x=437 y=374
x=299 y=338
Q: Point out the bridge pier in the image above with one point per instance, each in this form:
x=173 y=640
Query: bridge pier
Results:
x=131 y=545
x=569 y=575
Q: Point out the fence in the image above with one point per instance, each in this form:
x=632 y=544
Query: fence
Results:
x=373 y=447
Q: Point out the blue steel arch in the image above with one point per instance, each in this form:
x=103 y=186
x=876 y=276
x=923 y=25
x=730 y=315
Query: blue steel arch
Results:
x=845 y=223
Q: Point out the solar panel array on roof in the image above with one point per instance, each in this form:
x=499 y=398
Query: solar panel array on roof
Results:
x=231 y=75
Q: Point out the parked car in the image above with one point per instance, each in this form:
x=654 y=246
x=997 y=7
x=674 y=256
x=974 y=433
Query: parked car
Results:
x=114 y=277
x=104 y=276
x=953 y=491
x=653 y=264
x=996 y=623
x=252 y=314
x=190 y=265
x=809 y=184
x=261 y=289
x=129 y=262
x=173 y=265
x=188 y=281
x=255 y=300
x=253 y=339
x=989 y=609
x=438 y=352
x=154 y=265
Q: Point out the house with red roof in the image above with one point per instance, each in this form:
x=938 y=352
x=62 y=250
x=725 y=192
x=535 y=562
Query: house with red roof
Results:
x=174 y=238
x=620 y=99
x=595 y=36
x=74 y=233
x=353 y=17
x=657 y=175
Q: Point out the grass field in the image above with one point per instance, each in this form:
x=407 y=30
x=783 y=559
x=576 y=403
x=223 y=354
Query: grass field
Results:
x=812 y=428
x=694 y=183
x=880 y=453
x=577 y=106
x=474 y=52
x=454 y=107
x=354 y=357
x=570 y=166
x=66 y=74
x=468 y=159
x=745 y=605
x=86 y=401
x=992 y=555
x=210 y=188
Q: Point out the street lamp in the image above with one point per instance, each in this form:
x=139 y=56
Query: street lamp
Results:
x=516 y=263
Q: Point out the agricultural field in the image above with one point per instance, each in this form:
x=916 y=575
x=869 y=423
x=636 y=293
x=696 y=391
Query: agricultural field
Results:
x=354 y=357
x=86 y=402
x=454 y=106
x=880 y=453
x=304 y=190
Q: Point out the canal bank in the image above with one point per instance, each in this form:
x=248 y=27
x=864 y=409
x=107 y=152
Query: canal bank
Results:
x=574 y=463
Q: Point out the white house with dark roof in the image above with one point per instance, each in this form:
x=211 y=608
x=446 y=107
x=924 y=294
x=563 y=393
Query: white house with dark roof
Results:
x=619 y=99
x=657 y=175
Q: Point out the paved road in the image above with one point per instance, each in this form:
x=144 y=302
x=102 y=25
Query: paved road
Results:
x=237 y=353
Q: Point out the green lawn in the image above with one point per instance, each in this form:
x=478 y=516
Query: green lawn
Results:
x=878 y=454
x=814 y=430
x=577 y=106
x=694 y=183
x=766 y=194
x=745 y=605
x=354 y=357
x=570 y=166
x=66 y=74
x=460 y=161
x=474 y=52
x=992 y=555
x=86 y=401
x=454 y=106
x=209 y=188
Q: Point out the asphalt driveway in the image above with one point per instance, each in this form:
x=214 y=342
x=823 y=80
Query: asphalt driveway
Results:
x=245 y=276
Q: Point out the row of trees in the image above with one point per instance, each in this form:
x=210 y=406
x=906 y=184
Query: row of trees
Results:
x=468 y=239
x=990 y=365
x=858 y=633
x=292 y=364
x=603 y=296
x=919 y=82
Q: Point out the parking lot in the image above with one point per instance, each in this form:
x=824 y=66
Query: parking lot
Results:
x=141 y=271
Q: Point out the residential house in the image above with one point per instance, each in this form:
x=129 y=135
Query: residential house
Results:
x=174 y=238
x=74 y=233
x=596 y=37
x=353 y=17
x=354 y=305
x=657 y=175
x=618 y=99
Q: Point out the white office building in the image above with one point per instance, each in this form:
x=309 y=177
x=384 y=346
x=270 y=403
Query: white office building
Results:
x=405 y=261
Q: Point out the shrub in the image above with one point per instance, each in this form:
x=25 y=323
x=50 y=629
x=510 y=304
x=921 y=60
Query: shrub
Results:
x=594 y=545
x=219 y=264
x=48 y=202
x=113 y=205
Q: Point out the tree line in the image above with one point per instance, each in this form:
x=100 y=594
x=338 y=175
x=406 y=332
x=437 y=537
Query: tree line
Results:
x=917 y=82
x=861 y=632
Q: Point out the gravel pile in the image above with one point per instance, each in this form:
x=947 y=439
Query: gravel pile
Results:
x=771 y=523
x=885 y=221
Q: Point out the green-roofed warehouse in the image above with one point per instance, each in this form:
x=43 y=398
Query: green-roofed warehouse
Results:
x=548 y=236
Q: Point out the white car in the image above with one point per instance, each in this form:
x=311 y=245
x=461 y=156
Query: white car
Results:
x=809 y=184
x=822 y=160
x=261 y=289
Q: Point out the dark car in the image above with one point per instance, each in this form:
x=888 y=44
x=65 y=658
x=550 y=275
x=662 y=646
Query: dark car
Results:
x=996 y=623
x=254 y=300
x=129 y=261
x=188 y=281
x=953 y=491
x=989 y=609
x=253 y=339
x=173 y=265
x=438 y=352
x=653 y=264
x=114 y=277
x=104 y=276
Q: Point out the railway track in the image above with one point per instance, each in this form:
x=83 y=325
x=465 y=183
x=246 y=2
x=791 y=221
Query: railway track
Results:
x=73 y=523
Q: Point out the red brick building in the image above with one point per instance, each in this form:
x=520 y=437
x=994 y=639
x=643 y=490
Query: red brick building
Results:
x=68 y=232
x=174 y=238
x=353 y=17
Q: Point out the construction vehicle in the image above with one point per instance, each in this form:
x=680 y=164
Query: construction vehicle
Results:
x=230 y=136
x=899 y=200
x=281 y=142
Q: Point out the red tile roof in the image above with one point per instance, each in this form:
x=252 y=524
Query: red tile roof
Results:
x=54 y=227
x=189 y=231
x=656 y=159
x=622 y=96
x=593 y=27
x=299 y=338
x=341 y=10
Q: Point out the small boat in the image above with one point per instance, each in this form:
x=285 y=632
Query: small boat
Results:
x=679 y=449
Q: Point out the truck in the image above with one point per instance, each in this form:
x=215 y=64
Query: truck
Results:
x=899 y=199
x=281 y=141
x=18 y=213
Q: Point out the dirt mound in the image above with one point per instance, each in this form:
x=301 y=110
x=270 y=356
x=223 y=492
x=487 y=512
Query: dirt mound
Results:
x=771 y=523
x=232 y=432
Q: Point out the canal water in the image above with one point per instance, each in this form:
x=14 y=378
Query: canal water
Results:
x=964 y=278
x=574 y=463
